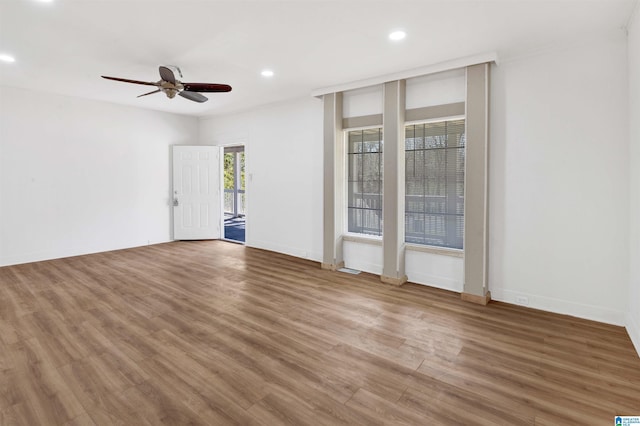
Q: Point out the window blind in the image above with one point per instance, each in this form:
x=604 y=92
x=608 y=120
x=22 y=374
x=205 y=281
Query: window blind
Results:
x=364 y=199
x=434 y=192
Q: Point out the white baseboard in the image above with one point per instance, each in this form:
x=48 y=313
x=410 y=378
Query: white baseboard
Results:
x=633 y=328
x=71 y=252
x=291 y=251
x=559 y=306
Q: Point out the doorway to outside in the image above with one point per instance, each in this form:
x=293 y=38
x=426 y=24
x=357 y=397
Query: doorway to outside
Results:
x=234 y=194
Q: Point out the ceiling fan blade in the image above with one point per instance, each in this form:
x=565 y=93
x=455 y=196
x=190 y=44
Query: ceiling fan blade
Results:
x=150 y=93
x=206 y=87
x=126 y=80
x=167 y=75
x=193 y=96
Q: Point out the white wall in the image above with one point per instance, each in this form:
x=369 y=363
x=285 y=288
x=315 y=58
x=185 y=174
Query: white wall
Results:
x=633 y=49
x=283 y=146
x=436 y=89
x=364 y=101
x=79 y=176
x=559 y=180
x=435 y=270
x=363 y=255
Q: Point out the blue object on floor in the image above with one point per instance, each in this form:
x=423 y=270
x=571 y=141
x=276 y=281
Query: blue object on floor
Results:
x=234 y=228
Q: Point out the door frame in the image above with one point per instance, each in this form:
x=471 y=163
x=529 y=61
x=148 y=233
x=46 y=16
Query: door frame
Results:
x=247 y=179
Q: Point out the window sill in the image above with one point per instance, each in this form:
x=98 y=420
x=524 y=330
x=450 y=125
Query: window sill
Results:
x=364 y=239
x=443 y=251
x=377 y=241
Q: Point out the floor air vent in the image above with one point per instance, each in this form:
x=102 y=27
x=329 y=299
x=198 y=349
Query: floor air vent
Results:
x=349 y=271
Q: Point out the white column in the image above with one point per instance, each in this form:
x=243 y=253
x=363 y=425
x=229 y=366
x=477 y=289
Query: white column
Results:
x=334 y=164
x=393 y=271
x=476 y=186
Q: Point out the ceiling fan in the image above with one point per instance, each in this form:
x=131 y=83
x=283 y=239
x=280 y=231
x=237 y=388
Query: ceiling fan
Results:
x=170 y=86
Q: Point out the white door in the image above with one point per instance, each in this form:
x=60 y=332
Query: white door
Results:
x=196 y=192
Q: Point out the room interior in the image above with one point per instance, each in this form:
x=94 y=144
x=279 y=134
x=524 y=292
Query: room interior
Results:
x=85 y=164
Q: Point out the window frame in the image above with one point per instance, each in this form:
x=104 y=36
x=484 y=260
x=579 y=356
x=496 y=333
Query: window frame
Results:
x=352 y=235
x=426 y=247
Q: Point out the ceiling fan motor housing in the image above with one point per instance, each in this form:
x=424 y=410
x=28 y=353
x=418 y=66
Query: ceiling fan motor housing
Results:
x=170 y=89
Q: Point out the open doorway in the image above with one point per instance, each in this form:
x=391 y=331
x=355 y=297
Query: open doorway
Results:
x=234 y=194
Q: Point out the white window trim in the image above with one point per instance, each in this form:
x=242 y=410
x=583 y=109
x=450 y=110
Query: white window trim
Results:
x=443 y=251
x=345 y=180
x=375 y=240
x=435 y=120
x=427 y=248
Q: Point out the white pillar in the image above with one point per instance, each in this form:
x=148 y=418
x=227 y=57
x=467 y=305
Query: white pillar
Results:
x=476 y=185
x=393 y=271
x=334 y=161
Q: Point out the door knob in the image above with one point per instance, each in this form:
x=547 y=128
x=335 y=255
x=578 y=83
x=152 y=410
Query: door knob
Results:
x=175 y=202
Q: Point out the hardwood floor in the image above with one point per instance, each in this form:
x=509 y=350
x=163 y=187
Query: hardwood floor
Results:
x=216 y=333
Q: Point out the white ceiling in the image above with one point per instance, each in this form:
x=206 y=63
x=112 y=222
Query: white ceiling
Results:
x=64 y=46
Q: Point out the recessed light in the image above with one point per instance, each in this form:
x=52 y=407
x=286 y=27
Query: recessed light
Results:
x=397 y=35
x=7 y=58
x=267 y=73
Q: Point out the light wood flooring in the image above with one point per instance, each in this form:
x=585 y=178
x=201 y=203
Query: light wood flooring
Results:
x=216 y=333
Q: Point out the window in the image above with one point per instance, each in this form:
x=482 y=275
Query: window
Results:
x=434 y=193
x=364 y=156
